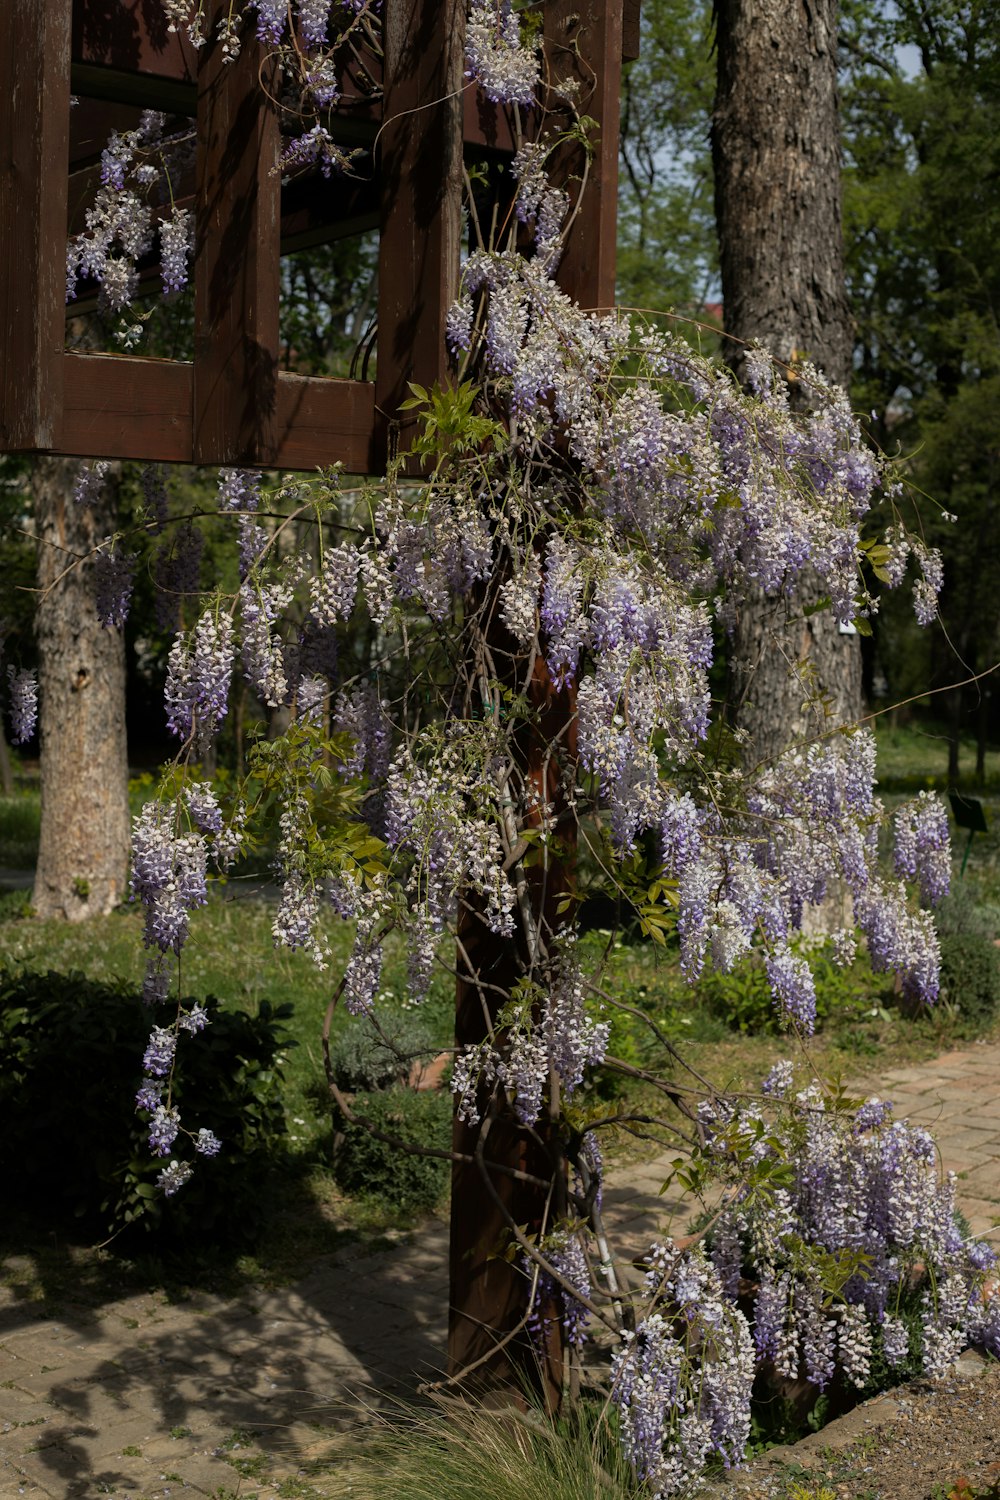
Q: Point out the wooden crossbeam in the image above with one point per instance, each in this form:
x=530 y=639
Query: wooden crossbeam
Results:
x=233 y=405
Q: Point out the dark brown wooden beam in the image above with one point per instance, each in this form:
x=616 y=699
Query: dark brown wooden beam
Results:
x=236 y=257
x=631 y=29
x=117 y=406
x=583 y=45
x=132 y=39
x=322 y=422
x=34 y=146
x=421 y=187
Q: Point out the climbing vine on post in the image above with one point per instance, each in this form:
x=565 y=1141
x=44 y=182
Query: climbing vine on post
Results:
x=542 y=573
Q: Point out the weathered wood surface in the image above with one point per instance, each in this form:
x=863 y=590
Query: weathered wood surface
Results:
x=34 y=135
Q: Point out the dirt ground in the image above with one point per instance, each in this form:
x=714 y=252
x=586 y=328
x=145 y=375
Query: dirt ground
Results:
x=915 y=1443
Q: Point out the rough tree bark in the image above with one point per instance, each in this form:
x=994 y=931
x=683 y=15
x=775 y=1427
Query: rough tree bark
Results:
x=776 y=153
x=84 y=844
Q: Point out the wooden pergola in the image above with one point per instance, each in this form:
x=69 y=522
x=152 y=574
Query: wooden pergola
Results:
x=232 y=404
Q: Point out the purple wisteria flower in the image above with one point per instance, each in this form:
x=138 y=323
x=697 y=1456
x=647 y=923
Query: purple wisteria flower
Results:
x=22 y=704
x=90 y=482
x=681 y=1381
x=163 y=1128
x=506 y=70
x=159 y=1055
x=199 y=671
x=860 y=1184
x=175 y=248
x=923 y=846
x=239 y=490
x=173 y=1177
x=793 y=987
x=206 y=1143
x=114 y=576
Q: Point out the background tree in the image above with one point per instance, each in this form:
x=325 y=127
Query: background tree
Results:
x=667 y=247
x=922 y=217
x=776 y=155
x=84 y=844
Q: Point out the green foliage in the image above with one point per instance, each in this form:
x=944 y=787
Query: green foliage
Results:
x=970 y=978
x=372 y=1168
x=450 y=425
x=667 y=251
x=743 y=999
x=921 y=218
x=367 y=1057
x=19 y=824
x=71 y=1143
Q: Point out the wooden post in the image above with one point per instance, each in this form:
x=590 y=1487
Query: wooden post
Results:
x=583 y=42
x=583 y=46
x=236 y=275
x=34 y=153
x=421 y=194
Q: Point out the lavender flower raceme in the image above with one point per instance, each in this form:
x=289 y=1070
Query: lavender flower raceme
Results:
x=506 y=70
x=114 y=573
x=199 y=671
x=22 y=690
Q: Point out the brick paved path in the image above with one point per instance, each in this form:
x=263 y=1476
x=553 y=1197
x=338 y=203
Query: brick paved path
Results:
x=142 y=1397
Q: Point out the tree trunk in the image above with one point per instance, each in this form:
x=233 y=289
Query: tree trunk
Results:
x=84 y=843
x=776 y=152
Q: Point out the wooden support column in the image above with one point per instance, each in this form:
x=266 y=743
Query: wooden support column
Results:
x=34 y=156
x=237 y=260
x=583 y=47
x=488 y=1294
x=421 y=193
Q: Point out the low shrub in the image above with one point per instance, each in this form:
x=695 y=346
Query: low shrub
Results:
x=366 y=1057
x=368 y=1167
x=970 y=978
x=743 y=999
x=72 y=1147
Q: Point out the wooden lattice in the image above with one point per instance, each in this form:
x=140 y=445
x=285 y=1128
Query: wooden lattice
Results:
x=232 y=404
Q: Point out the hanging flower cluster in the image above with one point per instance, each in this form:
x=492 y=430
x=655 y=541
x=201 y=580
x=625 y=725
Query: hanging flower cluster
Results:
x=682 y=1379
x=132 y=206
x=22 y=703
x=303 y=37
x=865 y=1189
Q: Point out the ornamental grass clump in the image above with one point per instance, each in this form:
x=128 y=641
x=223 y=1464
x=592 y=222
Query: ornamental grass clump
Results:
x=455 y=1451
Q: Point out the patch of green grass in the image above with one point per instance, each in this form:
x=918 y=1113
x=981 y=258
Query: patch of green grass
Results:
x=20 y=817
x=254 y=1467
x=915 y=755
x=231 y=954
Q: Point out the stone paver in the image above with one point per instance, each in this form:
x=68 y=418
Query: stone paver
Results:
x=143 y=1398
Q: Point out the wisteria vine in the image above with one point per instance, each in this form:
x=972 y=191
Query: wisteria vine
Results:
x=603 y=500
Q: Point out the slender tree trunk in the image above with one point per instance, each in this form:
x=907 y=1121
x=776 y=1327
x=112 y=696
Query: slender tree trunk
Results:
x=84 y=844
x=776 y=152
